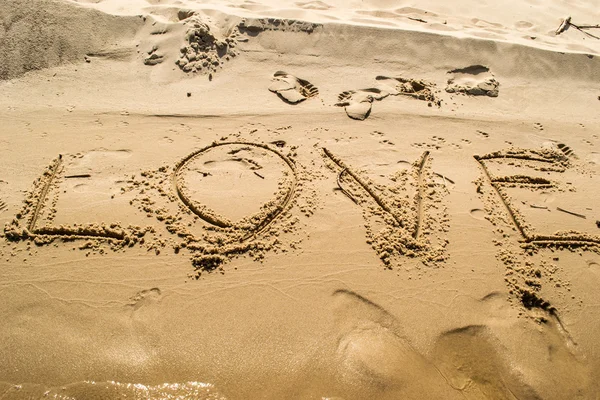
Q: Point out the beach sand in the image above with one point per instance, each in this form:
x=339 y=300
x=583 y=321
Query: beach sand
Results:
x=299 y=200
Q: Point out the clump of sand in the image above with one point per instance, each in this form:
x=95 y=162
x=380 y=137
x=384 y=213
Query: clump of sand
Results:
x=475 y=80
x=203 y=51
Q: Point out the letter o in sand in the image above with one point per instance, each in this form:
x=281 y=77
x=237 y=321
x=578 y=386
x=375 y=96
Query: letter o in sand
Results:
x=239 y=185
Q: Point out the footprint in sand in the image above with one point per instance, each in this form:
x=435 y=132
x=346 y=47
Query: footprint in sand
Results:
x=469 y=358
x=144 y=297
x=562 y=147
x=418 y=89
x=474 y=80
x=479 y=361
x=374 y=360
x=357 y=103
x=566 y=150
x=291 y=89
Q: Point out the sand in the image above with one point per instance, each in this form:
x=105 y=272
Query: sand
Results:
x=307 y=200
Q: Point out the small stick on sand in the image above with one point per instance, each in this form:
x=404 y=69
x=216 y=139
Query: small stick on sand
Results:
x=259 y=175
x=79 y=176
x=339 y=183
x=567 y=23
x=536 y=206
x=571 y=212
x=417 y=19
x=579 y=28
x=444 y=177
x=564 y=25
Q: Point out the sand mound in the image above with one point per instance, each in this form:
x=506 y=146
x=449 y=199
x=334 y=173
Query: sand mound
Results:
x=203 y=50
x=45 y=33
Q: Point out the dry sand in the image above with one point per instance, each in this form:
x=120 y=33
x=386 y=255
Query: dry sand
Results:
x=309 y=200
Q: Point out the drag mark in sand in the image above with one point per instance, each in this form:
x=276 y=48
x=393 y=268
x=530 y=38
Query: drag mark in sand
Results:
x=44 y=192
x=558 y=163
x=367 y=187
x=213 y=218
x=341 y=187
x=403 y=218
x=420 y=190
x=507 y=207
x=36 y=204
x=230 y=198
x=378 y=199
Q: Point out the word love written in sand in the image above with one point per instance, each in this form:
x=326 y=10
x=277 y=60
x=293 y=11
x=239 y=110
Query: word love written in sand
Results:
x=240 y=196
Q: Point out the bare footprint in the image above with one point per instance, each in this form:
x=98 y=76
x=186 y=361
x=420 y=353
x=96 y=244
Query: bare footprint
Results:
x=470 y=359
x=357 y=103
x=144 y=297
x=291 y=89
x=373 y=356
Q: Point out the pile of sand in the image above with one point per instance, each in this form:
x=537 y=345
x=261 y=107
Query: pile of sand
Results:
x=47 y=33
